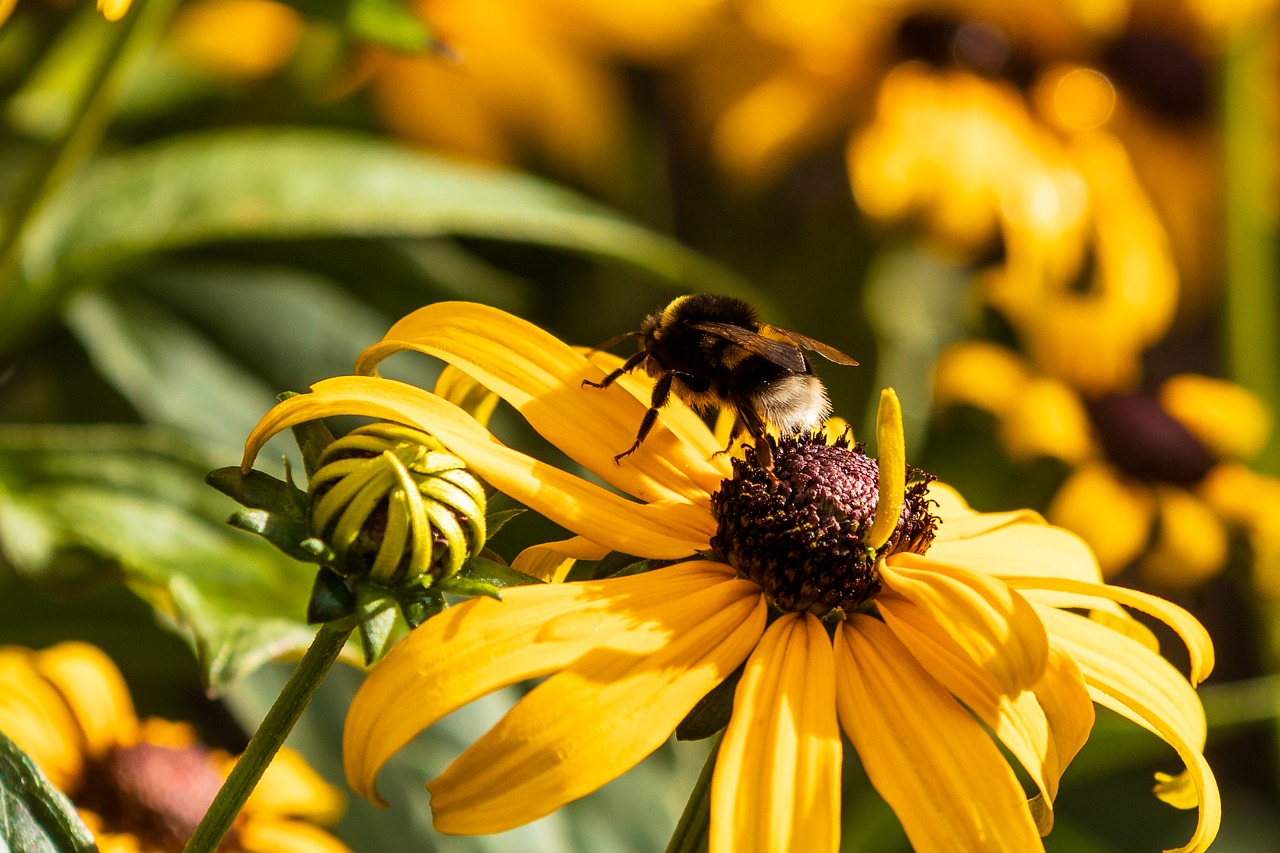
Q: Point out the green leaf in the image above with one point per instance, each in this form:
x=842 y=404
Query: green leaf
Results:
x=34 y=816
x=291 y=184
x=712 y=712
x=486 y=571
x=133 y=500
x=386 y=22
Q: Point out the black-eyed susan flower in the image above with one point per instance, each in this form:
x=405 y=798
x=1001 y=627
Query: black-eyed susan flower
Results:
x=142 y=785
x=852 y=601
x=1158 y=478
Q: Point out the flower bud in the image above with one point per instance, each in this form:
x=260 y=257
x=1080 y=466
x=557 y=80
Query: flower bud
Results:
x=393 y=504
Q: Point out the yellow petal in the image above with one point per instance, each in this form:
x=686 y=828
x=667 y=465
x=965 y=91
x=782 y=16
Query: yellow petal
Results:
x=290 y=787
x=1072 y=593
x=1230 y=420
x=551 y=561
x=1133 y=681
x=958 y=521
x=666 y=531
x=1047 y=419
x=1190 y=546
x=466 y=393
x=6 y=9
x=286 y=836
x=993 y=625
x=35 y=717
x=481 y=645
x=1024 y=546
x=980 y=374
x=542 y=378
x=923 y=751
x=1018 y=721
x=1113 y=516
x=113 y=10
x=600 y=716
x=95 y=692
x=777 y=778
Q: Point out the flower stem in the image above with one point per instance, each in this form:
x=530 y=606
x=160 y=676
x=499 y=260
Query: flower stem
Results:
x=690 y=835
x=1250 y=163
x=267 y=740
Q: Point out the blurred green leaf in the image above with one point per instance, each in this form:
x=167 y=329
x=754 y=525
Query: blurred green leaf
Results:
x=134 y=498
x=387 y=22
x=34 y=816
x=290 y=184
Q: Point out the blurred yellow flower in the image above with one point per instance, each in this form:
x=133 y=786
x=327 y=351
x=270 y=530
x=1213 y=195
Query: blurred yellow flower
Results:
x=1150 y=470
x=532 y=81
x=945 y=621
x=235 y=38
x=143 y=785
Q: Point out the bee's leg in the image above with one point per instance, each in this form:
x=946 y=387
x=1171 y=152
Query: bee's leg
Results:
x=754 y=425
x=738 y=429
x=661 y=392
x=627 y=366
x=614 y=341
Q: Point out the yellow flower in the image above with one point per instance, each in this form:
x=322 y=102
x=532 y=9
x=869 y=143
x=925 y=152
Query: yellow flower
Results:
x=910 y=638
x=1157 y=478
x=70 y=710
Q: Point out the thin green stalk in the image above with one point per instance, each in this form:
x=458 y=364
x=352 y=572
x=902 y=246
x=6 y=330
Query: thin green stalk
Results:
x=1252 y=309
x=267 y=740
x=690 y=834
x=85 y=128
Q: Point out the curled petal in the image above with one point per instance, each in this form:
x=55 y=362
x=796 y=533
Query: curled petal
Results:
x=542 y=377
x=923 y=752
x=992 y=624
x=1025 y=545
x=600 y=716
x=665 y=531
x=777 y=778
x=1133 y=681
x=481 y=645
x=1073 y=593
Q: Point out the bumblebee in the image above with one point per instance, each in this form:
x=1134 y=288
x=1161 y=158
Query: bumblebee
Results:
x=713 y=352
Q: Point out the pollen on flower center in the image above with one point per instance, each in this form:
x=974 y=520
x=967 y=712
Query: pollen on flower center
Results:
x=799 y=529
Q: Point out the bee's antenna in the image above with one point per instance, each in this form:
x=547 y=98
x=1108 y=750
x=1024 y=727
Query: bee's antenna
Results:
x=614 y=341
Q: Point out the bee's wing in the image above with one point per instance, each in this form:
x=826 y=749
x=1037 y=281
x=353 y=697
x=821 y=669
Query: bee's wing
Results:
x=828 y=352
x=781 y=353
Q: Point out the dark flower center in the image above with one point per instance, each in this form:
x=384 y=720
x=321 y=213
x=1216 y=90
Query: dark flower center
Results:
x=1146 y=442
x=798 y=530
x=154 y=792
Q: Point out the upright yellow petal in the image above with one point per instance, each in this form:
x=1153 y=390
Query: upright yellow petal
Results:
x=35 y=717
x=777 y=778
x=600 y=716
x=994 y=626
x=113 y=10
x=927 y=757
x=542 y=378
x=665 y=531
x=481 y=645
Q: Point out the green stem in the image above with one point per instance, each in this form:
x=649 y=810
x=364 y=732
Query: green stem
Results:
x=690 y=835
x=85 y=128
x=1252 y=307
x=267 y=740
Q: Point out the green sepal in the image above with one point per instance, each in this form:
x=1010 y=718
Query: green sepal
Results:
x=34 y=815
x=419 y=609
x=615 y=564
x=318 y=551
x=712 y=712
x=257 y=490
x=494 y=573
x=495 y=521
x=469 y=587
x=376 y=609
x=312 y=438
x=332 y=597
x=276 y=530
